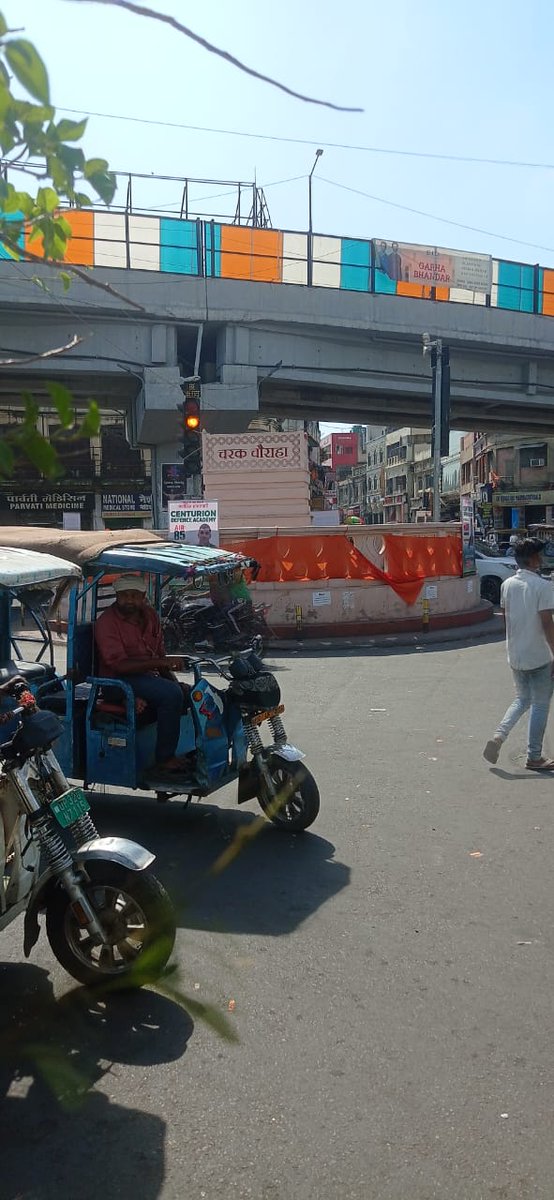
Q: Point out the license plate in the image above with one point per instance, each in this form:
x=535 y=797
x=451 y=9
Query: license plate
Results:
x=69 y=807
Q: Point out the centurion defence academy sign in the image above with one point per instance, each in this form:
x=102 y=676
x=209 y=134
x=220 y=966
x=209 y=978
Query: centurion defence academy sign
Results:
x=195 y=522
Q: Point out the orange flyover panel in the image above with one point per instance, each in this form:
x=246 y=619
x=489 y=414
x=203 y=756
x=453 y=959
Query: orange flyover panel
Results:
x=548 y=293
x=422 y=291
x=251 y=254
x=442 y=293
x=79 y=249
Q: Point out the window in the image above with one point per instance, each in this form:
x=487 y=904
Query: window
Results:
x=533 y=456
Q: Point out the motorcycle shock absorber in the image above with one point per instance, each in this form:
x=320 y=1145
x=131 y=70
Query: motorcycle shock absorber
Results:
x=84 y=830
x=55 y=850
x=278 y=730
x=253 y=737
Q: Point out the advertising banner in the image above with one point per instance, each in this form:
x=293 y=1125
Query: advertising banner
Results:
x=174 y=483
x=468 y=535
x=195 y=522
x=433 y=267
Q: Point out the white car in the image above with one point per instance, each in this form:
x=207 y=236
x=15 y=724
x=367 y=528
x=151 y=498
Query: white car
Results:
x=493 y=568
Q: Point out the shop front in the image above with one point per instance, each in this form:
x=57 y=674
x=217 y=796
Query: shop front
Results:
x=519 y=510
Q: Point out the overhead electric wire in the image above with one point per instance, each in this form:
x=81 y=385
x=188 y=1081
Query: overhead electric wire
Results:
x=274 y=137
x=418 y=212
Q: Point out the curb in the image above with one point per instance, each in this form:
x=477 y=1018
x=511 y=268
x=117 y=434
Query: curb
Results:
x=492 y=630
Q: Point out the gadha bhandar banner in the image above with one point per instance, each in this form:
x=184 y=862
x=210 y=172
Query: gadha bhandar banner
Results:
x=433 y=267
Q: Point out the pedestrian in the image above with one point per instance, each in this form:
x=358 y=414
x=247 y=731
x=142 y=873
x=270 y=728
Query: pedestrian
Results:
x=528 y=603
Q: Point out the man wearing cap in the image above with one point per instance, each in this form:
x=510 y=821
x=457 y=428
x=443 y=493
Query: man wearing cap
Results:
x=130 y=646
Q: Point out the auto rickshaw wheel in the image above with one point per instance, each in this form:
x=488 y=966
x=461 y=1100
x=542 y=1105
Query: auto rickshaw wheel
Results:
x=296 y=803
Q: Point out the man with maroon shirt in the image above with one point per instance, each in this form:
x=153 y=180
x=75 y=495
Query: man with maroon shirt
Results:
x=130 y=646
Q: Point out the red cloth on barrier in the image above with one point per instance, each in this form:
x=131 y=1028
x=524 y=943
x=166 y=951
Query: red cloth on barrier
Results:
x=312 y=559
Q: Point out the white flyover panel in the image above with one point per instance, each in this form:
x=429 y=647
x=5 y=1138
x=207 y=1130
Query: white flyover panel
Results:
x=462 y=296
x=109 y=240
x=295 y=258
x=144 y=240
x=326 y=264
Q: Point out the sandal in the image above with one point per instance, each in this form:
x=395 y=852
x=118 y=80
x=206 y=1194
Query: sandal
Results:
x=542 y=764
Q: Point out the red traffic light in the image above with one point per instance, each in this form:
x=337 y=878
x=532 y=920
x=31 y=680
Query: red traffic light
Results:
x=191 y=414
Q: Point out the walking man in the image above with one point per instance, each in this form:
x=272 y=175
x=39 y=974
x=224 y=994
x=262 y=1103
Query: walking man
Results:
x=528 y=603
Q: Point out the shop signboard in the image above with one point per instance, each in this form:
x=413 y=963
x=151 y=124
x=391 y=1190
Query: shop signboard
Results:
x=468 y=535
x=126 y=504
x=519 y=499
x=195 y=522
x=431 y=266
x=46 y=502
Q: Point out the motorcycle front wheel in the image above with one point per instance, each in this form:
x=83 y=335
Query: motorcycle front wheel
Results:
x=135 y=912
x=296 y=803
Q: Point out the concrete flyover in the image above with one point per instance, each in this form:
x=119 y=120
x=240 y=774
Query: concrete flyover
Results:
x=309 y=352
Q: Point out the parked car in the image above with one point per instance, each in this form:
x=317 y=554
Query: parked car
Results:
x=492 y=568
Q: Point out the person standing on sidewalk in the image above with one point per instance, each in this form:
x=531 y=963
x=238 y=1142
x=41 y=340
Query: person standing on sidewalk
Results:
x=528 y=603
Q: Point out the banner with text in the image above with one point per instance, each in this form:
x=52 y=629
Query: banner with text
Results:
x=195 y=522
x=431 y=266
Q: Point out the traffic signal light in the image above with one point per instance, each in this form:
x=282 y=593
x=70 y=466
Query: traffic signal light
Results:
x=191 y=427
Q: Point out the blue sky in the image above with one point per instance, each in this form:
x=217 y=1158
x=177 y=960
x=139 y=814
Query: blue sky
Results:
x=468 y=79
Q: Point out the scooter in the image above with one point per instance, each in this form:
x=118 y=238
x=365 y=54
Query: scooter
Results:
x=108 y=919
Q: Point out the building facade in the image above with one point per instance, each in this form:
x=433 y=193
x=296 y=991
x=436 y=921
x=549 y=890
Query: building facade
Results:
x=103 y=483
x=511 y=480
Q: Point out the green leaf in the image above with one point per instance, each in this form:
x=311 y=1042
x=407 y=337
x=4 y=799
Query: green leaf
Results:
x=66 y=280
x=82 y=200
x=47 y=200
x=3 y=25
x=90 y=424
x=212 y=1016
x=63 y=401
x=39 y=452
x=6 y=459
x=71 y=131
x=28 y=68
x=103 y=180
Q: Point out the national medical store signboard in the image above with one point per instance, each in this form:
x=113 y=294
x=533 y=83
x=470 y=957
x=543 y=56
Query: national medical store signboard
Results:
x=126 y=504
x=430 y=266
x=195 y=522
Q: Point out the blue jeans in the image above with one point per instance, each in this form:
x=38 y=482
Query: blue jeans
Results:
x=167 y=698
x=534 y=691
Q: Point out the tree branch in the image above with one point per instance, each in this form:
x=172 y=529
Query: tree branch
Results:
x=20 y=362
x=60 y=265
x=141 y=11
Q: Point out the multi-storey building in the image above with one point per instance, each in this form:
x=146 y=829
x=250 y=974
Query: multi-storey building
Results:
x=510 y=479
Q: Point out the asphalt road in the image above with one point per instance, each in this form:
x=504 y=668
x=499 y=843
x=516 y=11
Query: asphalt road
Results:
x=391 y=972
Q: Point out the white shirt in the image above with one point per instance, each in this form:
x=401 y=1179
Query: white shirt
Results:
x=523 y=597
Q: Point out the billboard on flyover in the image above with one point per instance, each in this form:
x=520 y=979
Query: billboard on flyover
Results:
x=432 y=266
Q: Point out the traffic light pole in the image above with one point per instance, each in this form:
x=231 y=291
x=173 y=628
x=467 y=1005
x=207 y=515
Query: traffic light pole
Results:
x=437 y=406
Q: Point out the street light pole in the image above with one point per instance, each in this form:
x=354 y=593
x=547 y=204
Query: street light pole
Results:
x=318 y=154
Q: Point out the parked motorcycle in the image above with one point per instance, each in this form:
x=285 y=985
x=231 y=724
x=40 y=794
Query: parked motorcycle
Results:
x=191 y=624
x=108 y=919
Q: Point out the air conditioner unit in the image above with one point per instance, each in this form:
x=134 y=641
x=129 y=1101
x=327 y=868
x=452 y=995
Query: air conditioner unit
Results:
x=537 y=462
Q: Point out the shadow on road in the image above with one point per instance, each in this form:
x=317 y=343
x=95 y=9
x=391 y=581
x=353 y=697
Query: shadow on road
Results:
x=58 y=1137
x=384 y=650
x=224 y=869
